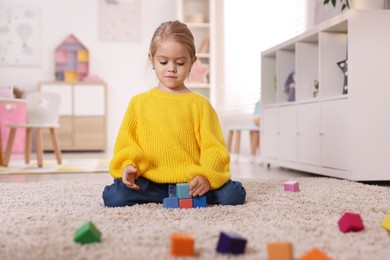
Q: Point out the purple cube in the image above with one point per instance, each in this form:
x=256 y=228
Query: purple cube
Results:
x=231 y=243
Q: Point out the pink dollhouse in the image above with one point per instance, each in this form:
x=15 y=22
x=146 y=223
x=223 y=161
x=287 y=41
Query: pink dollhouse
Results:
x=71 y=60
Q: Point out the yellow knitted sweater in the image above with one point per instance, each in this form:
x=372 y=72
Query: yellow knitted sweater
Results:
x=171 y=138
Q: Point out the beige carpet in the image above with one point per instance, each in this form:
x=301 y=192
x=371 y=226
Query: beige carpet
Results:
x=38 y=221
x=51 y=166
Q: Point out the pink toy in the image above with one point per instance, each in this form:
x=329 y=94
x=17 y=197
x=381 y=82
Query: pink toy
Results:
x=350 y=222
x=291 y=186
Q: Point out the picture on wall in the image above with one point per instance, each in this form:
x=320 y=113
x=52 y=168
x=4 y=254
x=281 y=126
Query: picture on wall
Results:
x=19 y=35
x=119 y=20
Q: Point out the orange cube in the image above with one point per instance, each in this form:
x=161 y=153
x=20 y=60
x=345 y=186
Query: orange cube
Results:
x=182 y=244
x=280 y=251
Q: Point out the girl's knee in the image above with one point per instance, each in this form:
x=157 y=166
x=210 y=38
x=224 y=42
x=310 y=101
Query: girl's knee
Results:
x=233 y=194
x=114 y=196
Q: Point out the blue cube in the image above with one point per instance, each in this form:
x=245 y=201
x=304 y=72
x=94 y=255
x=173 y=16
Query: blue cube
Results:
x=199 y=202
x=231 y=243
x=183 y=190
x=171 y=202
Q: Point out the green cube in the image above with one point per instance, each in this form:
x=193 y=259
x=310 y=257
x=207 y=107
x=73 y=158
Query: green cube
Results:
x=88 y=233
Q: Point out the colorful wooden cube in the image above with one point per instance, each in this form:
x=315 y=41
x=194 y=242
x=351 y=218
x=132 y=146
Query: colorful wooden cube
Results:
x=185 y=203
x=280 y=251
x=386 y=223
x=350 y=222
x=231 y=243
x=182 y=244
x=199 y=202
x=171 y=202
x=315 y=254
x=183 y=190
x=88 y=233
x=291 y=186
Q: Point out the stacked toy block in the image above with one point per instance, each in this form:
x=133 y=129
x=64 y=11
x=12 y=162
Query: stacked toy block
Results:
x=280 y=251
x=183 y=199
x=231 y=243
x=350 y=222
x=87 y=233
x=182 y=244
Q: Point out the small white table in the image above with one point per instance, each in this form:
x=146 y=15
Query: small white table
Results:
x=7 y=101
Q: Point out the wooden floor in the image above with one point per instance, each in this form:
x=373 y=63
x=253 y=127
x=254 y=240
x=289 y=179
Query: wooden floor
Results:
x=241 y=167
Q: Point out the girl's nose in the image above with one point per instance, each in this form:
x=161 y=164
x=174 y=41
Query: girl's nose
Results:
x=172 y=68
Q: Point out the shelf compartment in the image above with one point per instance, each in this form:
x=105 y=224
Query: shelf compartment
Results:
x=332 y=49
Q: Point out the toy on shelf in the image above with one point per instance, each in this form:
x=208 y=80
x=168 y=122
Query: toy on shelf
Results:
x=71 y=60
x=183 y=200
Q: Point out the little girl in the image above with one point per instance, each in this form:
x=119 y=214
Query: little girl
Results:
x=170 y=135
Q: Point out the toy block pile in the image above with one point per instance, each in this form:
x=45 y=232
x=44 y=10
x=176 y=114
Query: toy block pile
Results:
x=183 y=199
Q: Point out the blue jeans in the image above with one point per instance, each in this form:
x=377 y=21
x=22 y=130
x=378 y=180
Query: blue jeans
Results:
x=119 y=195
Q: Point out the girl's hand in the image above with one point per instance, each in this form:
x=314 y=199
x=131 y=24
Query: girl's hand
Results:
x=128 y=177
x=199 y=186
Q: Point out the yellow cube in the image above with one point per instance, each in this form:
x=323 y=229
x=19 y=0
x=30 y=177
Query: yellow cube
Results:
x=386 y=222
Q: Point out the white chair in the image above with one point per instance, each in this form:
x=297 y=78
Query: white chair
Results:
x=254 y=134
x=42 y=113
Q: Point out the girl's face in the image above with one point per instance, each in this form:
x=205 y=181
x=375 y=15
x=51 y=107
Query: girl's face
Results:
x=172 y=63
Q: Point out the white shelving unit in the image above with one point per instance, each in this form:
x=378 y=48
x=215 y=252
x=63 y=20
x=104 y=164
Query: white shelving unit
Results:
x=328 y=132
x=199 y=17
x=83 y=115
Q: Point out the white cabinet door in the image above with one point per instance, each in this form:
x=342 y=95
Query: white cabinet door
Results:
x=66 y=96
x=89 y=100
x=309 y=134
x=334 y=134
x=287 y=133
x=268 y=129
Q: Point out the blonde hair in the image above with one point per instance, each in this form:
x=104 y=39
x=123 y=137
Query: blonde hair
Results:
x=176 y=31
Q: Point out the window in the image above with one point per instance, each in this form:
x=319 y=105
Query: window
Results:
x=252 y=26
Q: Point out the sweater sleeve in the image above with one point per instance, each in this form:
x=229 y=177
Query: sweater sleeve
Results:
x=126 y=149
x=214 y=156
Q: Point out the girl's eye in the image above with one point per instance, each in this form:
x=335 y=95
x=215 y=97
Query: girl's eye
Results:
x=163 y=62
x=180 y=63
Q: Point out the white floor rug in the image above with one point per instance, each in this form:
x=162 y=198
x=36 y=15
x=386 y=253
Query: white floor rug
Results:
x=38 y=221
